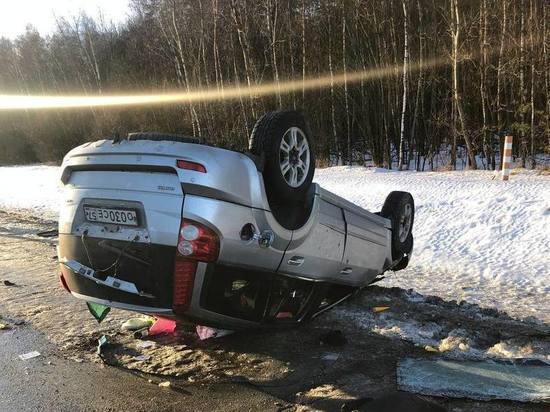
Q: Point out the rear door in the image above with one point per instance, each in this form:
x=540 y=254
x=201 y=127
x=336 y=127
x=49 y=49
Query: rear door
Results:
x=316 y=250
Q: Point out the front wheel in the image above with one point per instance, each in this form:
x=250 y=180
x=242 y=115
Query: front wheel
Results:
x=399 y=208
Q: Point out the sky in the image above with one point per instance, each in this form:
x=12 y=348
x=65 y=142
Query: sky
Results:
x=16 y=14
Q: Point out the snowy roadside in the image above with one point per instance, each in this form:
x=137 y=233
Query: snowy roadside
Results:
x=476 y=238
x=33 y=189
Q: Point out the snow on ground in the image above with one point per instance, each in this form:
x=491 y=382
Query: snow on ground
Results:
x=33 y=188
x=476 y=238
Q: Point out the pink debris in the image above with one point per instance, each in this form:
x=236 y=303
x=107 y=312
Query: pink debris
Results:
x=162 y=326
x=205 y=332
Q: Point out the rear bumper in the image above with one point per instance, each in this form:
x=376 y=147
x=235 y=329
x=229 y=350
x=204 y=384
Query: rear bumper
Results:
x=148 y=266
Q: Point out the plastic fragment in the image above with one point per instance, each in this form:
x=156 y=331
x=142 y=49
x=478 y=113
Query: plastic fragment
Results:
x=162 y=326
x=378 y=309
x=429 y=348
x=165 y=384
x=98 y=311
x=29 y=355
x=136 y=324
x=205 y=332
x=3 y=326
x=142 y=358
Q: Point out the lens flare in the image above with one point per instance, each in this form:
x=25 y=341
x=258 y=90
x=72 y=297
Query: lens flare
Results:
x=40 y=102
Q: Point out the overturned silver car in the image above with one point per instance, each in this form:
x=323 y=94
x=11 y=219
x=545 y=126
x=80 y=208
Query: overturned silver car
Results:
x=164 y=225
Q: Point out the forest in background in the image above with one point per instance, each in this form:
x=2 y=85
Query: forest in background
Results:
x=493 y=76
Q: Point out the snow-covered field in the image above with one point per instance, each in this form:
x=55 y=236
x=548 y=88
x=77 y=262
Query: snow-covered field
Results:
x=476 y=238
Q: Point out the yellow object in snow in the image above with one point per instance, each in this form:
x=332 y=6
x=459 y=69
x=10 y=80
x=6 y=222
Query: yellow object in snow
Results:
x=377 y=309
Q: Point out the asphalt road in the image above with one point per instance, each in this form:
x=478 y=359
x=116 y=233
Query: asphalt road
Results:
x=52 y=383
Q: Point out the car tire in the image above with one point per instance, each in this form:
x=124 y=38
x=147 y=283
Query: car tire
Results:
x=283 y=140
x=404 y=261
x=399 y=208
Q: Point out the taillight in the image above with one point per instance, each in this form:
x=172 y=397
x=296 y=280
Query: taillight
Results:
x=196 y=243
x=187 y=165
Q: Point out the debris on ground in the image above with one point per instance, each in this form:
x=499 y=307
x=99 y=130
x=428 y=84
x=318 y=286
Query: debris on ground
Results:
x=141 y=333
x=330 y=356
x=165 y=384
x=205 y=332
x=29 y=355
x=485 y=380
x=378 y=309
x=48 y=233
x=101 y=343
x=146 y=344
x=137 y=323
x=142 y=358
x=4 y=326
x=333 y=338
x=98 y=311
x=8 y=283
x=162 y=326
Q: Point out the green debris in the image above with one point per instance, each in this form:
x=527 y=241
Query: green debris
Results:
x=98 y=311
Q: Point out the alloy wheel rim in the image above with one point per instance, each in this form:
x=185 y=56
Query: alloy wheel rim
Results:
x=405 y=223
x=294 y=157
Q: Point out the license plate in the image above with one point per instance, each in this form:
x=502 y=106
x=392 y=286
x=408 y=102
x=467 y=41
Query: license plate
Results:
x=114 y=216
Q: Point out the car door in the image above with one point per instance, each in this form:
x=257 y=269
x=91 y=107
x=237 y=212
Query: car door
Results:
x=316 y=250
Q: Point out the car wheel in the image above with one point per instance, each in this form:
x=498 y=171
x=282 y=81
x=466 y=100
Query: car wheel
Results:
x=404 y=262
x=283 y=140
x=399 y=208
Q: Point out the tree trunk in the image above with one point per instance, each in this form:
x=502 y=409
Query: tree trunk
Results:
x=523 y=136
x=419 y=86
x=303 y=51
x=546 y=60
x=456 y=24
x=532 y=41
x=332 y=108
x=482 y=77
x=405 y=85
x=346 y=97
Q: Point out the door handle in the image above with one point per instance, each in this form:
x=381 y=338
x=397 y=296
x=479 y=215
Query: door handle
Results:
x=296 y=261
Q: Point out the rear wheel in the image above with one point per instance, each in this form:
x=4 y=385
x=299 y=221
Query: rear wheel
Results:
x=283 y=139
x=399 y=208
